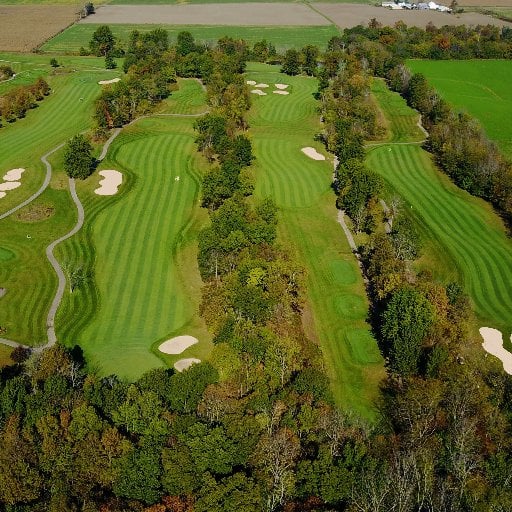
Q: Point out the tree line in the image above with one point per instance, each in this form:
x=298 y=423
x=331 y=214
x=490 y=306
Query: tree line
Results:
x=440 y=403
x=18 y=101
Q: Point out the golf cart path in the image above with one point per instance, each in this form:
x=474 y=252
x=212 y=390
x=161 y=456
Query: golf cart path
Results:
x=50 y=319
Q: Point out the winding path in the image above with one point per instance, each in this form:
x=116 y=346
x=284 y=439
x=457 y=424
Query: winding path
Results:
x=50 y=319
x=42 y=188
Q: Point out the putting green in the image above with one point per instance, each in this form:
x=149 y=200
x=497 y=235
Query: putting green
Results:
x=300 y=186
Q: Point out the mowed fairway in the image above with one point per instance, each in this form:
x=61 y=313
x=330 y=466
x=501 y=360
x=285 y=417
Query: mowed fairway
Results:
x=27 y=276
x=280 y=127
x=480 y=87
x=145 y=276
x=469 y=238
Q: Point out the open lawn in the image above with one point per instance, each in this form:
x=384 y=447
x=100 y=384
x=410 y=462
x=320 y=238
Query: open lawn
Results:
x=280 y=127
x=480 y=87
x=460 y=231
x=139 y=250
x=76 y=36
x=28 y=277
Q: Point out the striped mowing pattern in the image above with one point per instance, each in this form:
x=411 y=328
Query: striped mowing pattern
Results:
x=280 y=127
x=141 y=295
x=465 y=228
x=28 y=278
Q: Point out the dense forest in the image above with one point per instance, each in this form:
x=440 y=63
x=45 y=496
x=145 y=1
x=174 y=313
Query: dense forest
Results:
x=256 y=428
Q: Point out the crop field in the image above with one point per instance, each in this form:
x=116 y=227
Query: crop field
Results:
x=27 y=276
x=282 y=37
x=140 y=252
x=463 y=231
x=280 y=127
x=480 y=87
x=25 y=27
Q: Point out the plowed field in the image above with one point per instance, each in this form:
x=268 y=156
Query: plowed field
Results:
x=25 y=27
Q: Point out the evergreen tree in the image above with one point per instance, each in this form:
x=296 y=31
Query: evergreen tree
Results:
x=78 y=159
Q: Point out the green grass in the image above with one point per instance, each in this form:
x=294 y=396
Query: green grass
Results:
x=140 y=246
x=464 y=236
x=76 y=36
x=280 y=127
x=479 y=87
x=28 y=278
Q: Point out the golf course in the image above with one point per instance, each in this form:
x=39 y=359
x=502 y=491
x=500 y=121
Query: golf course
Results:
x=281 y=126
x=464 y=235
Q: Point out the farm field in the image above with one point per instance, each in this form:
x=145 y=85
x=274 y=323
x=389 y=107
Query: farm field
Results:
x=282 y=37
x=480 y=87
x=343 y=15
x=27 y=276
x=300 y=186
x=25 y=27
x=460 y=231
x=145 y=284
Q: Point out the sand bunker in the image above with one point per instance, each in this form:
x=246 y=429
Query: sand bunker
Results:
x=185 y=364
x=2 y=194
x=493 y=343
x=110 y=183
x=261 y=86
x=281 y=86
x=177 y=345
x=250 y=82
x=281 y=92
x=258 y=92
x=9 y=185
x=113 y=81
x=14 y=174
x=313 y=153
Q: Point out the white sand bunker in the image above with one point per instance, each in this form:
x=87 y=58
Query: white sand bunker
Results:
x=281 y=86
x=110 y=183
x=9 y=185
x=258 y=92
x=284 y=93
x=2 y=194
x=185 y=364
x=493 y=343
x=261 y=86
x=313 y=153
x=177 y=345
x=251 y=82
x=113 y=81
x=14 y=174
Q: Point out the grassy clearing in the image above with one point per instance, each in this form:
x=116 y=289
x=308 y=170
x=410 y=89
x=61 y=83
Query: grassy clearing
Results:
x=464 y=237
x=140 y=249
x=479 y=87
x=28 y=277
x=280 y=127
x=76 y=36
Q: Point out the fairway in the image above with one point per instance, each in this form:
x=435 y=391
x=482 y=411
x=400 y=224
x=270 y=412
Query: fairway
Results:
x=479 y=87
x=145 y=279
x=79 y=35
x=300 y=186
x=27 y=276
x=468 y=236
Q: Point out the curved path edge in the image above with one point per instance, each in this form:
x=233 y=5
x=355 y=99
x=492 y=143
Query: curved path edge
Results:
x=50 y=319
x=42 y=188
